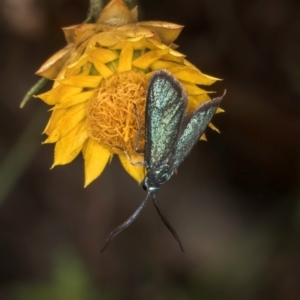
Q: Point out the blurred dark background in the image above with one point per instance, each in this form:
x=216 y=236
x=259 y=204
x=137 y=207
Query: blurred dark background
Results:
x=234 y=203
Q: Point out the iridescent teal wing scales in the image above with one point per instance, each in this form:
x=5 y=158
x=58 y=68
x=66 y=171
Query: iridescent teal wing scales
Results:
x=192 y=130
x=165 y=106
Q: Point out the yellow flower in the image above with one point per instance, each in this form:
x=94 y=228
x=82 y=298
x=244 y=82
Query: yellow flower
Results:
x=100 y=83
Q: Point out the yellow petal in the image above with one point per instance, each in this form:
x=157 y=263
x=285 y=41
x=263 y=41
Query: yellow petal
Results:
x=95 y=159
x=75 y=68
x=193 y=75
x=193 y=89
x=103 y=70
x=58 y=94
x=82 y=81
x=213 y=127
x=188 y=63
x=177 y=54
x=86 y=69
x=170 y=57
x=103 y=55
x=168 y=32
x=163 y=64
x=185 y=73
x=137 y=172
x=54 y=64
x=70 y=146
x=220 y=110
x=195 y=101
x=126 y=58
x=55 y=116
x=203 y=137
x=67 y=123
x=144 y=61
x=76 y=99
x=148 y=75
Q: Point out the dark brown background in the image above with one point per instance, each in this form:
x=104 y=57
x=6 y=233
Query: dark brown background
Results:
x=235 y=202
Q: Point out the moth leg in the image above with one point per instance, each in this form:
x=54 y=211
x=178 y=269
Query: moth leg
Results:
x=139 y=131
x=166 y=222
x=134 y=163
x=128 y=222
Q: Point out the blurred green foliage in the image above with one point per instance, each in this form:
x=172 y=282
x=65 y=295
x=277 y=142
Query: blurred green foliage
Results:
x=70 y=280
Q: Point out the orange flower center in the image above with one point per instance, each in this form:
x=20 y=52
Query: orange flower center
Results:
x=113 y=115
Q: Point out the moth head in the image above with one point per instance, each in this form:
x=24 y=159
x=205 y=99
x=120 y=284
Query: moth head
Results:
x=149 y=187
x=144 y=186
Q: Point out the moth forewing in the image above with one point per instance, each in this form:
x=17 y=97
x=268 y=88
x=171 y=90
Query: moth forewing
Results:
x=165 y=107
x=193 y=129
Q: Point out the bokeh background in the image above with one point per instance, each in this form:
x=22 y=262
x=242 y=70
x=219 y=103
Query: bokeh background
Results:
x=235 y=201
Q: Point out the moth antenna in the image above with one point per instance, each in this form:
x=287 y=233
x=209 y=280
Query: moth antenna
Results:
x=128 y=222
x=167 y=223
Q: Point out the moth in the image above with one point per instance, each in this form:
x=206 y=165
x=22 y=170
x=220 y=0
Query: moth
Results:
x=170 y=135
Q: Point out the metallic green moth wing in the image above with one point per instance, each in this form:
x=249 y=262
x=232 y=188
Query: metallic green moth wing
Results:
x=165 y=107
x=192 y=130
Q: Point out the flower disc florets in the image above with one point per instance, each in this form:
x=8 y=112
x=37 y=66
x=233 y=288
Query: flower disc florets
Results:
x=115 y=114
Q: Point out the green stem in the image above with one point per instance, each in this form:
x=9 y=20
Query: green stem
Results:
x=33 y=90
x=94 y=10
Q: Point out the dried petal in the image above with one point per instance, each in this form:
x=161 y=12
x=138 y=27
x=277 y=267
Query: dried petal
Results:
x=138 y=43
x=168 y=32
x=116 y=13
x=53 y=65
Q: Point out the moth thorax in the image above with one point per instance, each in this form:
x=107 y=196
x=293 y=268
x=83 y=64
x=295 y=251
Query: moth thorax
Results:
x=158 y=176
